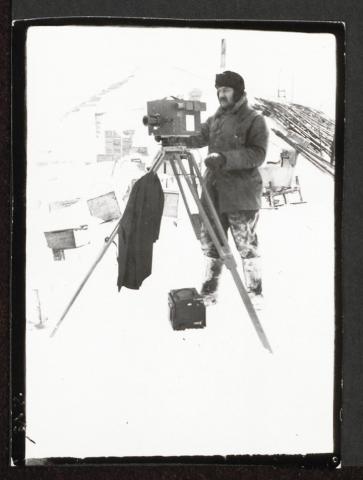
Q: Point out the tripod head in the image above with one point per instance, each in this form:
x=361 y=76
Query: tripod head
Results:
x=173 y=141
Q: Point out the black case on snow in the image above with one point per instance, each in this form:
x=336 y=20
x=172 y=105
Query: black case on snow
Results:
x=186 y=309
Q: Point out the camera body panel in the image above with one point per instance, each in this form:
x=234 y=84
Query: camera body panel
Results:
x=174 y=117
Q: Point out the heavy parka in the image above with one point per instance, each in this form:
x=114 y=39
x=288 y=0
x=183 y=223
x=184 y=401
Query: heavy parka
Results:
x=241 y=136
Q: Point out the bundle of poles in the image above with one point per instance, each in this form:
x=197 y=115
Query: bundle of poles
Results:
x=308 y=130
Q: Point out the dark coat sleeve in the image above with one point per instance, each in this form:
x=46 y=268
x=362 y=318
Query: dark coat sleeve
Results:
x=124 y=233
x=252 y=154
x=148 y=227
x=122 y=255
x=159 y=207
x=139 y=229
x=125 y=237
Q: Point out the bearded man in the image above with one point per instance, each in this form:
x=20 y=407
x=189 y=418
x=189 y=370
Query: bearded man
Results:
x=237 y=137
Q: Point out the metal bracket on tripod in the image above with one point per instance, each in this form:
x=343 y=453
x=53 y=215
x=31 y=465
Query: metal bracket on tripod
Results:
x=175 y=155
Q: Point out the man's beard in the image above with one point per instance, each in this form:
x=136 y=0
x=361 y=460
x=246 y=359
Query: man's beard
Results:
x=226 y=105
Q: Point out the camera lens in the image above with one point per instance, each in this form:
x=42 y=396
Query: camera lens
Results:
x=154 y=120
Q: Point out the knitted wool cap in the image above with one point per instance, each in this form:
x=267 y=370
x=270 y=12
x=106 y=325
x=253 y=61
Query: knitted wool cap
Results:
x=232 y=80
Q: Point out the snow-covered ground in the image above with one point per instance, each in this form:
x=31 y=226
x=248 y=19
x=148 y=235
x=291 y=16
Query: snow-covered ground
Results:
x=116 y=380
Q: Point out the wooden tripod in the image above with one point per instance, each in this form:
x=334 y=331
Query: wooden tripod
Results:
x=175 y=155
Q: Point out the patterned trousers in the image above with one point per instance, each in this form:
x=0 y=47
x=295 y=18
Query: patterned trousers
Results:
x=243 y=229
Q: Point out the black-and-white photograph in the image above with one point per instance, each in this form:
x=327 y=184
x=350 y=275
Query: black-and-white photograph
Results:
x=180 y=252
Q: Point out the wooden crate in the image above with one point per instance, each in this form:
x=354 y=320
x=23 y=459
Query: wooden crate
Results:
x=171 y=204
x=105 y=207
x=67 y=238
x=60 y=239
x=59 y=204
x=277 y=176
x=282 y=174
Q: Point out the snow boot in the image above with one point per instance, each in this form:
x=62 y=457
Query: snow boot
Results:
x=253 y=281
x=211 y=280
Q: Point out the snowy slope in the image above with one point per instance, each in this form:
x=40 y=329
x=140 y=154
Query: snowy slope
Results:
x=116 y=380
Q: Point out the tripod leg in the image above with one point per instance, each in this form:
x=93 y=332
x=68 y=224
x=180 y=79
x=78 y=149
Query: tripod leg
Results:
x=177 y=176
x=210 y=204
x=250 y=309
x=220 y=248
x=89 y=273
x=225 y=252
x=158 y=161
x=191 y=170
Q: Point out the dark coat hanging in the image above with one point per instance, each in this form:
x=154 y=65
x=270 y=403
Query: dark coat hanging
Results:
x=139 y=229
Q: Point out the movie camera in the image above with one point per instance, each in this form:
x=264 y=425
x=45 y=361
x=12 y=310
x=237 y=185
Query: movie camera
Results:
x=174 y=117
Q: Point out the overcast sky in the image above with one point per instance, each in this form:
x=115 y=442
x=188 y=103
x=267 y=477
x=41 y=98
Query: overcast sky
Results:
x=68 y=65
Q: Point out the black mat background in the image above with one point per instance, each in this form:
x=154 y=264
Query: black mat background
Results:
x=350 y=12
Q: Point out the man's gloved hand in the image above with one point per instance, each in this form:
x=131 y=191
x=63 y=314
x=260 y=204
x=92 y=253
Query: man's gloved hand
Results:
x=215 y=161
